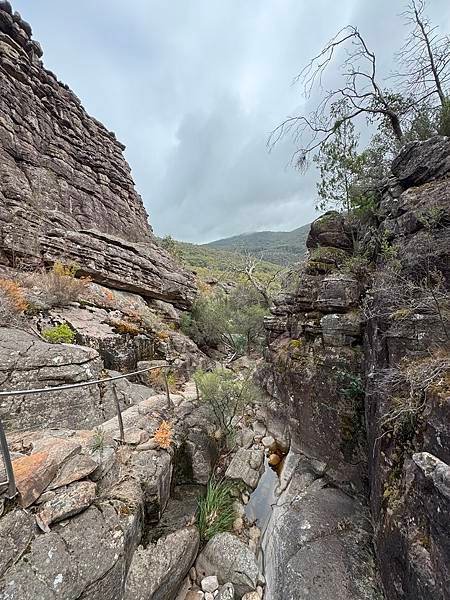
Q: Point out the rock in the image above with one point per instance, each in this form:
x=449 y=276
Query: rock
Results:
x=195 y=595
x=246 y=466
x=260 y=591
x=421 y=162
x=331 y=230
x=193 y=574
x=338 y=293
x=244 y=437
x=16 y=532
x=251 y=596
x=66 y=189
x=238 y=525
x=41 y=365
x=231 y=560
x=209 y=596
x=274 y=460
x=76 y=468
x=202 y=453
x=317 y=542
x=259 y=428
x=156 y=572
x=67 y=502
x=341 y=329
x=268 y=441
x=35 y=472
x=254 y=533
x=226 y=592
x=209 y=584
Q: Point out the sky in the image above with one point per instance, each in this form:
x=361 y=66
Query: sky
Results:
x=194 y=88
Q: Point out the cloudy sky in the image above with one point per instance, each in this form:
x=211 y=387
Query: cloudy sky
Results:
x=193 y=88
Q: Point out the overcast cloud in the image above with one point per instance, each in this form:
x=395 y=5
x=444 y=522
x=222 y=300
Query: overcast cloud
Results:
x=193 y=87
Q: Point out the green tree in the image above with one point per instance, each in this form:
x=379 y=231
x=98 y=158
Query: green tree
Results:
x=172 y=247
x=340 y=164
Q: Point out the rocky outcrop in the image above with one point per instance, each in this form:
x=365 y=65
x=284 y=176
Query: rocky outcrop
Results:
x=357 y=375
x=66 y=192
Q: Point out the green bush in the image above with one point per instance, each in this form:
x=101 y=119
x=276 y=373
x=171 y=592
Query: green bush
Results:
x=60 y=334
x=226 y=395
x=215 y=513
x=444 y=119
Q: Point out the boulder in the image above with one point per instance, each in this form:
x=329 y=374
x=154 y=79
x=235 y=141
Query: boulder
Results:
x=231 y=561
x=338 y=293
x=341 y=329
x=157 y=571
x=330 y=230
x=246 y=465
x=67 y=502
x=421 y=162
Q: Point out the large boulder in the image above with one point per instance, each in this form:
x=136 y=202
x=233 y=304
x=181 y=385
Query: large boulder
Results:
x=157 y=571
x=421 y=162
x=231 y=560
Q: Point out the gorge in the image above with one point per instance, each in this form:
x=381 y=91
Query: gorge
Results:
x=352 y=404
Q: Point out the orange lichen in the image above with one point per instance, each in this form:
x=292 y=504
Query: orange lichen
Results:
x=14 y=294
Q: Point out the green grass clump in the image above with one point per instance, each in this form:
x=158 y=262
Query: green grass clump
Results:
x=60 y=334
x=215 y=513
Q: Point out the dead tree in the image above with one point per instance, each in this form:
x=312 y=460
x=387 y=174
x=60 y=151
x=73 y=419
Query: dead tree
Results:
x=360 y=87
x=425 y=57
x=247 y=265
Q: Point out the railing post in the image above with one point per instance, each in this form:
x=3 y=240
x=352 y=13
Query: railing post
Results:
x=12 y=490
x=119 y=414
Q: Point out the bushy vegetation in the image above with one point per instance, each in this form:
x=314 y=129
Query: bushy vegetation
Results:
x=233 y=321
x=215 y=513
x=58 y=287
x=226 y=395
x=13 y=303
x=60 y=334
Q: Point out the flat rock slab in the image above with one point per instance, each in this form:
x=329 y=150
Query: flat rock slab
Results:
x=66 y=503
x=76 y=468
x=35 y=472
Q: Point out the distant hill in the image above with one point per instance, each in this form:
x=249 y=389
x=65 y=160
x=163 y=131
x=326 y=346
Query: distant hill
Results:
x=280 y=247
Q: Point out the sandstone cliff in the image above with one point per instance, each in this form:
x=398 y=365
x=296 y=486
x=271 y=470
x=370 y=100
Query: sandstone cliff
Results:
x=66 y=191
x=357 y=373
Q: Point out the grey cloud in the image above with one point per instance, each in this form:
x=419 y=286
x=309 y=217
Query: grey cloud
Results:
x=193 y=89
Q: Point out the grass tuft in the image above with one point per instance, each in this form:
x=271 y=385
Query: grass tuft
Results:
x=215 y=513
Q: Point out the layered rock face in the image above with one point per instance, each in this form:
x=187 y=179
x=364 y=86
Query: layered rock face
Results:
x=66 y=191
x=357 y=373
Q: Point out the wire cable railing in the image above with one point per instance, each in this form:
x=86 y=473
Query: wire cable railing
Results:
x=9 y=482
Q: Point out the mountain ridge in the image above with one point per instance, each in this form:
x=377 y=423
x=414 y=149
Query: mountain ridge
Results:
x=280 y=247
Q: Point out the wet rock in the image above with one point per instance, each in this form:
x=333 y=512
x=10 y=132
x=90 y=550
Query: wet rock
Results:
x=231 y=560
x=156 y=572
x=246 y=466
x=317 y=542
x=67 y=502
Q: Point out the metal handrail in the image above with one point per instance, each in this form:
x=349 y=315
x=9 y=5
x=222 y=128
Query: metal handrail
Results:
x=12 y=490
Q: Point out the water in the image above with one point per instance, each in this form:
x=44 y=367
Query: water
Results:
x=259 y=508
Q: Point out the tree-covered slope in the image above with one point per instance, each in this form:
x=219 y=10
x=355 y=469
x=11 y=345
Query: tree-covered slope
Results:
x=281 y=247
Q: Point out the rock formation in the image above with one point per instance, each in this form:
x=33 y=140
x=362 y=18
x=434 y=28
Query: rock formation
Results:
x=66 y=191
x=357 y=375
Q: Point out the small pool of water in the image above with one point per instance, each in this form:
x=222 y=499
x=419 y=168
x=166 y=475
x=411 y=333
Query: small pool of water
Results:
x=259 y=508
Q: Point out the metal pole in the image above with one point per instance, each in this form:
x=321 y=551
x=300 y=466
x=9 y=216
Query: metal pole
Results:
x=166 y=385
x=12 y=490
x=119 y=414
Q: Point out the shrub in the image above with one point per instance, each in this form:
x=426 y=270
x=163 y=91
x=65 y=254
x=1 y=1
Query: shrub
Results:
x=125 y=327
x=12 y=302
x=59 y=286
x=60 y=334
x=226 y=395
x=444 y=119
x=163 y=435
x=215 y=513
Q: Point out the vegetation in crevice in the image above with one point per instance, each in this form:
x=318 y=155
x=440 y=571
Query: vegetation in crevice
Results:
x=215 y=513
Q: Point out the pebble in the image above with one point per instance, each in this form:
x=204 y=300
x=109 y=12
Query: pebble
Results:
x=260 y=591
x=193 y=574
x=251 y=596
x=252 y=545
x=195 y=595
x=209 y=596
x=254 y=533
x=238 y=524
x=210 y=584
x=245 y=498
x=268 y=441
